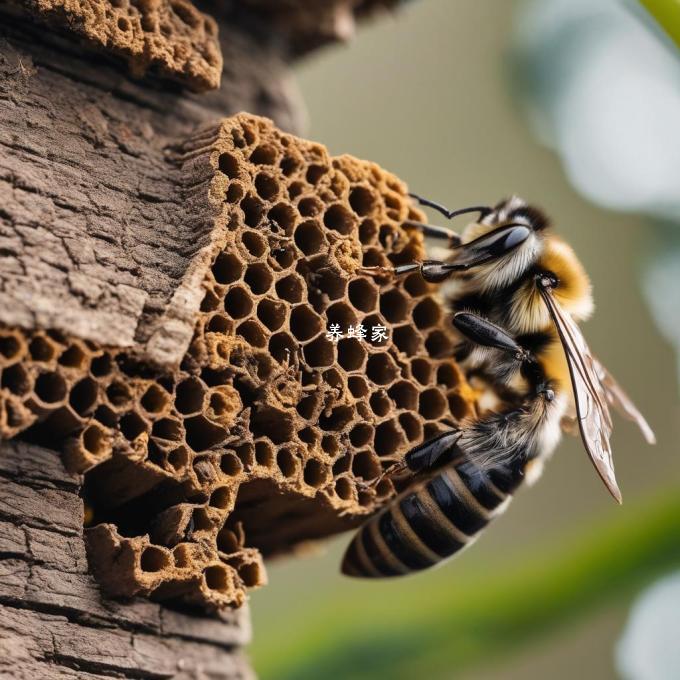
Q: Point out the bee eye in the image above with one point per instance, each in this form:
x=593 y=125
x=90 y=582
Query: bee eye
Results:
x=548 y=280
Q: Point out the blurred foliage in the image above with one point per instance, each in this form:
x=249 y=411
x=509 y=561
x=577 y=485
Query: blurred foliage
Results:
x=667 y=14
x=480 y=615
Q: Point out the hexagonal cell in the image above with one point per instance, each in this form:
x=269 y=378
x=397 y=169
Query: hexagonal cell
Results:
x=101 y=365
x=310 y=206
x=283 y=347
x=366 y=465
x=42 y=349
x=338 y=218
x=272 y=313
x=309 y=237
x=438 y=345
x=458 y=405
x=264 y=154
x=84 y=395
x=315 y=173
x=210 y=301
x=258 y=277
x=358 y=386
x=374 y=257
x=338 y=418
x=315 y=473
x=362 y=200
x=415 y=285
x=219 y=323
x=341 y=313
x=202 y=434
x=413 y=428
x=265 y=454
x=319 y=352
x=363 y=294
x=290 y=288
x=351 y=354
x=11 y=348
x=253 y=210
x=389 y=438
x=380 y=403
x=132 y=425
x=283 y=217
x=344 y=488
x=381 y=368
x=407 y=339
x=448 y=375
x=226 y=268
x=432 y=404
x=421 y=369
x=50 y=387
x=393 y=306
x=426 y=313
x=361 y=434
x=17 y=380
x=305 y=323
x=267 y=186
x=155 y=399
x=218 y=578
x=229 y=165
x=287 y=463
x=253 y=333
x=190 y=395
x=254 y=243
x=405 y=395
x=238 y=302
x=74 y=356
x=170 y=429
x=235 y=192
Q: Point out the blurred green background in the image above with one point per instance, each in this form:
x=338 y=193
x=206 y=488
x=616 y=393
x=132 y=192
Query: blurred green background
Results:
x=546 y=592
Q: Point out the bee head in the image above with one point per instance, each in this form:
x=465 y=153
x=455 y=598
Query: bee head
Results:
x=512 y=232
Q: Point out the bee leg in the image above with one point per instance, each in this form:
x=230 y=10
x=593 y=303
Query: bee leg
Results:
x=483 y=210
x=432 y=271
x=433 y=453
x=433 y=231
x=482 y=332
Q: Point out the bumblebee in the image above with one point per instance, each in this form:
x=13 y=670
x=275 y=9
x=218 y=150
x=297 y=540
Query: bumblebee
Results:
x=517 y=292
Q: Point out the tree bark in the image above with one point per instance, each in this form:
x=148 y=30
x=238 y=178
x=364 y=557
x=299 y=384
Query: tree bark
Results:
x=53 y=621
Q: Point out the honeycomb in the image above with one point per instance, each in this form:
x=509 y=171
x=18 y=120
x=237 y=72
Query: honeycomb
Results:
x=272 y=431
x=170 y=36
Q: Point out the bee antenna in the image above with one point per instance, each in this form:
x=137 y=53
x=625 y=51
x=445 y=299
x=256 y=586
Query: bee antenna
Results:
x=483 y=210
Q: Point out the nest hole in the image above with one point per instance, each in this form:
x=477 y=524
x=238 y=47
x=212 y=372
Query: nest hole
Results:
x=178 y=458
x=101 y=366
x=405 y=395
x=309 y=237
x=10 y=347
x=202 y=435
x=235 y=193
x=351 y=354
x=155 y=399
x=238 y=303
x=254 y=243
x=229 y=165
x=304 y=322
x=41 y=349
x=413 y=428
x=250 y=574
x=432 y=404
x=426 y=313
x=50 y=388
x=189 y=396
x=264 y=453
x=363 y=294
x=253 y=210
x=253 y=333
x=169 y=429
x=154 y=559
x=344 y=488
x=366 y=465
x=227 y=541
x=310 y=206
x=362 y=200
x=287 y=463
x=338 y=218
x=315 y=473
x=84 y=395
x=338 y=419
x=221 y=498
x=361 y=435
x=73 y=357
x=421 y=370
x=358 y=386
x=16 y=380
x=319 y=352
x=388 y=438
x=283 y=347
x=381 y=368
x=95 y=440
x=271 y=313
x=264 y=154
x=290 y=288
x=438 y=345
x=217 y=578
x=393 y=306
x=407 y=339
x=380 y=403
x=283 y=216
x=230 y=465
x=266 y=186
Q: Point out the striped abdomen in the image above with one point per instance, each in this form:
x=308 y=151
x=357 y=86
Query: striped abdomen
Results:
x=429 y=522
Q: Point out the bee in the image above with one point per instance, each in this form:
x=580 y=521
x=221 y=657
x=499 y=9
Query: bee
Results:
x=517 y=292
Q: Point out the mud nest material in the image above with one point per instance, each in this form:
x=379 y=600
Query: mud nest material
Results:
x=169 y=36
x=269 y=433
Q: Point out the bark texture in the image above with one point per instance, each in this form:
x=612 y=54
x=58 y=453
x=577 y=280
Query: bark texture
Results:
x=54 y=622
x=95 y=237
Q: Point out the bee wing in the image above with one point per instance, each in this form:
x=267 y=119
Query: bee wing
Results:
x=622 y=402
x=592 y=412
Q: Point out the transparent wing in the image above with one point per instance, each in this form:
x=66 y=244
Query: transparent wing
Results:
x=592 y=412
x=622 y=402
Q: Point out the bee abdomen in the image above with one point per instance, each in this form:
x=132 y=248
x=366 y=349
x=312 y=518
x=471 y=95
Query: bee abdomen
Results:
x=425 y=524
